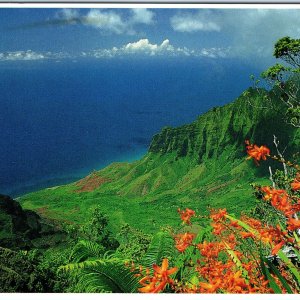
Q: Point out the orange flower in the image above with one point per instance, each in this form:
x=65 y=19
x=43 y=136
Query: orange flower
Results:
x=277 y=247
x=296 y=184
x=148 y=288
x=183 y=241
x=186 y=215
x=159 y=280
x=234 y=224
x=218 y=228
x=218 y=215
x=210 y=287
x=257 y=153
x=246 y=235
x=293 y=224
x=279 y=199
x=209 y=250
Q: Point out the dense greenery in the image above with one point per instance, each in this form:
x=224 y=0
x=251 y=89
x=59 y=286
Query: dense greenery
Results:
x=85 y=236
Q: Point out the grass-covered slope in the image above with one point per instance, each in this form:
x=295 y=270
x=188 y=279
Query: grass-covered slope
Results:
x=197 y=165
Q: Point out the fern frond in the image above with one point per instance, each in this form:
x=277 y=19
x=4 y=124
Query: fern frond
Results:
x=161 y=246
x=104 y=275
x=86 y=250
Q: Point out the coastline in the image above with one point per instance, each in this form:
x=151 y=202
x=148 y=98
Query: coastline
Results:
x=68 y=178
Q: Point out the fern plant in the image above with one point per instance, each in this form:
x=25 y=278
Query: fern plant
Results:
x=103 y=275
x=161 y=246
x=97 y=271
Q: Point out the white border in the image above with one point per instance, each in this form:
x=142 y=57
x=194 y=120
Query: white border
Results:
x=154 y=5
x=69 y=296
x=83 y=296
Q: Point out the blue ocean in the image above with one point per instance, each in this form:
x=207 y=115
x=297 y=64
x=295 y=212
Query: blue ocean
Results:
x=62 y=120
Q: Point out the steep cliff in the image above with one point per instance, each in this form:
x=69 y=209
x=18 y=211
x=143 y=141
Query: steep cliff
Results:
x=197 y=165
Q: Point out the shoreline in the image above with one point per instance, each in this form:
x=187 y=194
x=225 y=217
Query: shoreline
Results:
x=57 y=180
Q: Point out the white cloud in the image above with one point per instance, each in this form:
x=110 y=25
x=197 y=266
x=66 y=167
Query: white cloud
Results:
x=109 y=21
x=250 y=33
x=144 y=47
x=21 y=55
x=255 y=31
x=142 y=16
x=68 y=14
x=105 y=20
x=190 y=23
x=30 y=55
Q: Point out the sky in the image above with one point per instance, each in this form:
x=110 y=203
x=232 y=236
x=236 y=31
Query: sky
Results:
x=38 y=34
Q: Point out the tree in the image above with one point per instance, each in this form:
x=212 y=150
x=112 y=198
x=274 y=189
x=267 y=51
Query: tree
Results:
x=288 y=49
x=284 y=80
x=97 y=230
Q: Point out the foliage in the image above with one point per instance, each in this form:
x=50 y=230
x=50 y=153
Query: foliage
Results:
x=252 y=246
x=103 y=275
x=29 y=271
x=133 y=243
x=246 y=254
x=97 y=230
x=288 y=49
x=161 y=246
x=285 y=79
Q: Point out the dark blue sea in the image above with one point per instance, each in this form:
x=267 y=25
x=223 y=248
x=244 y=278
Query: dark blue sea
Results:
x=59 y=121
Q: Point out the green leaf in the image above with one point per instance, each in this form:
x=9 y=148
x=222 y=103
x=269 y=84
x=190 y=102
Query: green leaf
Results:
x=161 y=246
x=280 y=277
x=237 y=262
x=110 y=275
x=268 y=276
x=293 y=269
x=242 y=224
x=86 y=250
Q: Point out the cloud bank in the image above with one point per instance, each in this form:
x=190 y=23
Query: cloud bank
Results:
x=192 y=23
x=249 y=32
x=108 y=21
x=29 y=55
x=144 y=47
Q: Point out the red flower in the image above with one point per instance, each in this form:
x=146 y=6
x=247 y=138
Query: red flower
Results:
x=257 y=153
x=296 y=184
x=218 y=228
x=183 y=241
x=159 y=280
x=279 y=199
x=218 y=215
x=186 y=215
x=277 y=247
x=246 y=235
x=210 y=287
x=293 y=224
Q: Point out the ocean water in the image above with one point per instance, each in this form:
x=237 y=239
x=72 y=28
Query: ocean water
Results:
x=59 y=121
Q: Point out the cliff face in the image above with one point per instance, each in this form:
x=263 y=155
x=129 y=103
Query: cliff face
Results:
x=18 y=226
x=197 y=165
x=249 y=117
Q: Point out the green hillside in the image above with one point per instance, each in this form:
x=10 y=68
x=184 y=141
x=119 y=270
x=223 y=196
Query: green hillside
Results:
x=197 y=165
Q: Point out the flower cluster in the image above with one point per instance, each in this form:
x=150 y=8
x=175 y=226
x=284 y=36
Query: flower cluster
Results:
x=295 y=185
x=282 y=202
x=237 y=256
x=257 y=153
x=182 y=241
x=186 y=215
x=160 y=278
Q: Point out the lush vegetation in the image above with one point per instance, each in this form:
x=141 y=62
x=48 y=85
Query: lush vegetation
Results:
x=117 y=229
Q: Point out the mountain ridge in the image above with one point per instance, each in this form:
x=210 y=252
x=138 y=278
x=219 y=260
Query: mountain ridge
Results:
x=197 y=165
